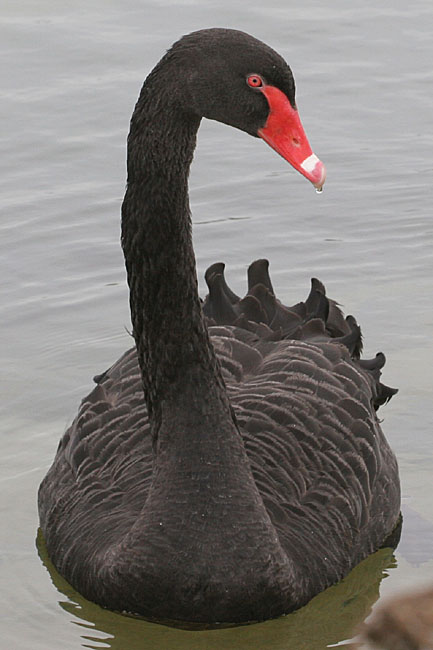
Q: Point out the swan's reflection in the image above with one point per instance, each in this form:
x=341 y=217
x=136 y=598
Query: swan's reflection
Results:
x=328 y=619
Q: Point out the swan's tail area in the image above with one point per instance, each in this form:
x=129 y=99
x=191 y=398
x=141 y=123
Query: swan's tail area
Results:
x=317 y=319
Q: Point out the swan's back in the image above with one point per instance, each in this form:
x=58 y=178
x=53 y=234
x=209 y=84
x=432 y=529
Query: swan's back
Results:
x=306 y=410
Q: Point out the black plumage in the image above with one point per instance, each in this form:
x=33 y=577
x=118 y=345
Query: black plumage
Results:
x=231 y=465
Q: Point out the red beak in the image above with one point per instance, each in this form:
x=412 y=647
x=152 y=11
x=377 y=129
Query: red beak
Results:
x=284 y=132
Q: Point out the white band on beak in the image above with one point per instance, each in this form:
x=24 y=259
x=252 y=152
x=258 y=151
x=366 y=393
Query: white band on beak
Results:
x=310 y=163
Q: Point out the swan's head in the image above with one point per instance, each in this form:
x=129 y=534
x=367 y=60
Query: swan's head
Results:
x=234 y=78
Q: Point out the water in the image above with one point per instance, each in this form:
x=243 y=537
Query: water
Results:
x=70 y=78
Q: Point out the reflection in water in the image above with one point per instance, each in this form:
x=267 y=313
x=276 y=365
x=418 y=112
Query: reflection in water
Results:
x=328 y=619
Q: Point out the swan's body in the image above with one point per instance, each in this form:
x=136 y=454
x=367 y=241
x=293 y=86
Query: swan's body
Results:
x=233 y=489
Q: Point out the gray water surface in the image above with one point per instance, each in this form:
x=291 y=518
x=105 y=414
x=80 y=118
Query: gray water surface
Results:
x=70 y=77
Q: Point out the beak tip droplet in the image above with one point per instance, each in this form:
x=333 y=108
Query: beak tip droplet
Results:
x=314 y=170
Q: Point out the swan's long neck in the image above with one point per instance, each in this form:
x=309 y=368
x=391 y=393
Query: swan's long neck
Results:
x=174 y=350
x=203 y=494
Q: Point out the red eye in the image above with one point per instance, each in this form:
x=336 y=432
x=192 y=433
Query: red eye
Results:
x=254 y=81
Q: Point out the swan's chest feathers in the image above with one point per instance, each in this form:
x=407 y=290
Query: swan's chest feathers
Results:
x=317 y=454
x=304 y=412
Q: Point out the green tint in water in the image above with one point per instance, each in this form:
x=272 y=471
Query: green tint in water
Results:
x=328 y=619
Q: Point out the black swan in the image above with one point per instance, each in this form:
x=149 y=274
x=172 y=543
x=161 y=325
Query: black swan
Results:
x=252 y=473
